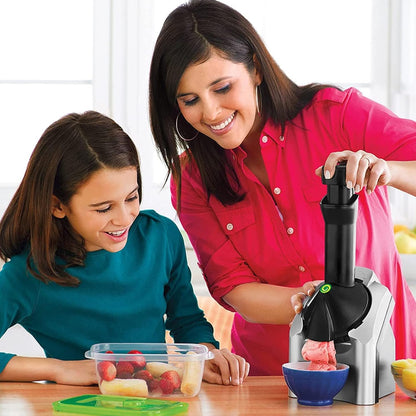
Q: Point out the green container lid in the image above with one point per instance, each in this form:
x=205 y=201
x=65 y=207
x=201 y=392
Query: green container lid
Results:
x=106 y=405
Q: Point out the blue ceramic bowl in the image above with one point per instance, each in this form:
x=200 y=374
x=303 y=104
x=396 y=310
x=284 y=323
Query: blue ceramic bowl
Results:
x=314 y=388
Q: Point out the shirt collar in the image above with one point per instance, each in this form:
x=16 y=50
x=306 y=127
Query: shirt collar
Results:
x=275 y=132
x=270 y=130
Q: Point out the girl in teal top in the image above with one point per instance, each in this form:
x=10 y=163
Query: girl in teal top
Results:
x=85 y=266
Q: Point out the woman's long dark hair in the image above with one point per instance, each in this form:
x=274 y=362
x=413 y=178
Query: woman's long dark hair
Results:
x=189 y=35
x=67 y=154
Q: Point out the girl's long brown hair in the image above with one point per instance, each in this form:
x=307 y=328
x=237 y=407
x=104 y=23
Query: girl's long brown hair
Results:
x=189 y=35
x=69 y=151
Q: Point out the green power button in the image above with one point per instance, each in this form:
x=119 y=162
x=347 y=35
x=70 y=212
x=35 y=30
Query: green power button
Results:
x=325 y=288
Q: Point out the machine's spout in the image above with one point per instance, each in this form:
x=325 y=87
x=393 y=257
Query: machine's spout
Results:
x=334 y=310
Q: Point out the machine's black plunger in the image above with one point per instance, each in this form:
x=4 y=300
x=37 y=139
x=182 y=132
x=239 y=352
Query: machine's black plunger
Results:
x=339 y=209
x=341 y=302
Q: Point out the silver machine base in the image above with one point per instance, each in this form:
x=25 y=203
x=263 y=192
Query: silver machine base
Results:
x=369 y=352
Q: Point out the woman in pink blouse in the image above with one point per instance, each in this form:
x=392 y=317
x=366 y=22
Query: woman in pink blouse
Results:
x=247 y=185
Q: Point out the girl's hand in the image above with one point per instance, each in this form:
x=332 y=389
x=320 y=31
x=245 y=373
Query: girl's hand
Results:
x=307 y=290
x=225 y=368
x=363 y=169
x=77 y=373
x=81 y=373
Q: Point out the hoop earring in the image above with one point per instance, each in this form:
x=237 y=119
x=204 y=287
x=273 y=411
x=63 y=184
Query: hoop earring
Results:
x=180 y=135
x=257 y=100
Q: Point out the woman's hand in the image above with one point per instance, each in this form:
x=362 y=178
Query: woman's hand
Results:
x=363 y=169
x=226 y=368
x=307 y=290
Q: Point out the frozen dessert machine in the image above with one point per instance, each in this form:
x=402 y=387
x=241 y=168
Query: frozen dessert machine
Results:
x=351 y=307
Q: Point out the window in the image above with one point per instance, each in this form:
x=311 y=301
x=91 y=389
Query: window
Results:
x=46 y=72
x=394 y=78
x=310 y=40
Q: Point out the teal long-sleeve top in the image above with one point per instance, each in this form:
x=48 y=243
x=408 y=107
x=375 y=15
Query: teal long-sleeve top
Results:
x=133 y=295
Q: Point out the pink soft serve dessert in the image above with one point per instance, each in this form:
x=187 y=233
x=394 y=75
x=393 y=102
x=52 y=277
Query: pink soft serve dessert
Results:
x=320 y=354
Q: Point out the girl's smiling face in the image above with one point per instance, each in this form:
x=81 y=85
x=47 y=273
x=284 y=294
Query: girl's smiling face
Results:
x=218 y=98
x=103 y=208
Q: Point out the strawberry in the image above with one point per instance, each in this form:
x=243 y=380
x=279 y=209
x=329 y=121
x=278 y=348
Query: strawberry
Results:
x=109 y=352
x=106 y=370
x=153 y=385
x=138 y=361
x=124 y=369
x=169 y=381
x=144 y=374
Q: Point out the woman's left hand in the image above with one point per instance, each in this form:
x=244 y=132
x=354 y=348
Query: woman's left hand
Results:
x=308 y=289
x=363 y=169
x=226 y=368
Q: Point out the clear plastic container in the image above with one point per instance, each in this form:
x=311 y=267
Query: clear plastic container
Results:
x=149 y=370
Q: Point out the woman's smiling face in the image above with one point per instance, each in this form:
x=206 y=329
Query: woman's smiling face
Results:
x=218 y=98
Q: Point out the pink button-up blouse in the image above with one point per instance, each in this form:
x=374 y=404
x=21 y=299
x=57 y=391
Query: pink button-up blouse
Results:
x=278 y=238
